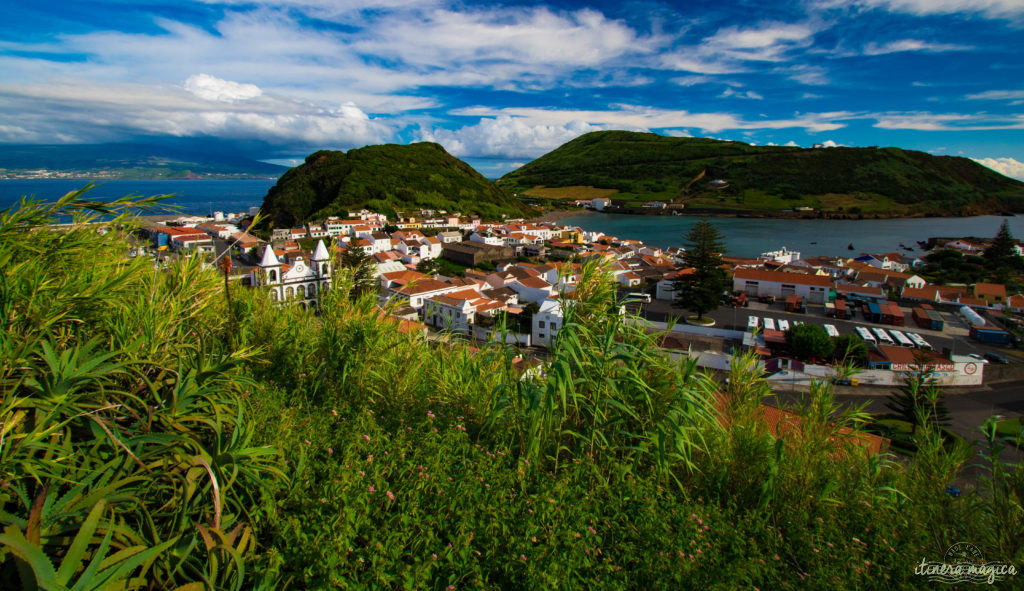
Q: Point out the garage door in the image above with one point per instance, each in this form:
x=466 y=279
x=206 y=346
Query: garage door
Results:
x=788 y=290
x=816 y=297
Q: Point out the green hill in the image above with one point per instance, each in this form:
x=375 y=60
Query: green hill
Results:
x=733 y=176
x=385 y=178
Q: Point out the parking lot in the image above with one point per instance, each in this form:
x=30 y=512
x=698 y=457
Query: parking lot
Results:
x=954 y=336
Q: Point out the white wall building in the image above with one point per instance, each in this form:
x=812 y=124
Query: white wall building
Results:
x=546 y=323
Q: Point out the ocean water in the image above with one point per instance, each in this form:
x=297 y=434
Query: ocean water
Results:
x=200 y=197
x=748 y=237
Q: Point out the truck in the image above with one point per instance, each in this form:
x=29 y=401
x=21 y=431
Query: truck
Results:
x=990 y=335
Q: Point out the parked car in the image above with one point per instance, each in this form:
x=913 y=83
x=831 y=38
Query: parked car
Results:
x=996 y=358
x=977 y=357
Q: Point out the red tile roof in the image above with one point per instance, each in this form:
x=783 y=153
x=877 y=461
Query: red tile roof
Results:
x=783 y=277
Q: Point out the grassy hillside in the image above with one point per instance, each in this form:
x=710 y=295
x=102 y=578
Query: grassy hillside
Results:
x=888 y=181
x=131 y=161
x=385 y=178
x=159 y=432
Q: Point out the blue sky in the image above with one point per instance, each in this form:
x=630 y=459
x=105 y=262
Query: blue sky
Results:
x=500 y=84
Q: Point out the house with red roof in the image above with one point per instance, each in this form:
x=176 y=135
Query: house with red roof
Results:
x=779 y=284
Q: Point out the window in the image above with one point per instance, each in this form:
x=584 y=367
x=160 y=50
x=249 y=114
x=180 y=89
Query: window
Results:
x=541 y=335
x=540 y=324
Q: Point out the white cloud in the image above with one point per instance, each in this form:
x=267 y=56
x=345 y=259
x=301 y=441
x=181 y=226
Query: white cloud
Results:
x=923 y=121
x=644 y=117
x=998 y=95
x=212 y=88
x=806 y=74
x=1007 y=166
x=525 y=37
x=830 y=144
x=690 y=80
x=729 y=48
x=84 y=111
x=791 y=144
x=678 y=133
x=903 y=45
x=749 y=94
x=507 y=136
x=990 y=8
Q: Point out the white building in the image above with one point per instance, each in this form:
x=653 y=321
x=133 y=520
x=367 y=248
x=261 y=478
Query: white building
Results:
x=778 y=284
x=600 y=203
x=546 y=323
x=783 y=255
x=296 y=281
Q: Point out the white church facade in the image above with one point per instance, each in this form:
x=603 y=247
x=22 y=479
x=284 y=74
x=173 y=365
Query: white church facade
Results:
x=297 y=281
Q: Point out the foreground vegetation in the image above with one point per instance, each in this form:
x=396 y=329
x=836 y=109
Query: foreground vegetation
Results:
x=387 y=179
x=155 y=437
x=842 y=181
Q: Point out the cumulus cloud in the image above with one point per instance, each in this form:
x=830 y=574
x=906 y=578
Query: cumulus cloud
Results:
x=85 y=112
x=1007 y=166
x=646 y=117
x=212 y=88
x=532 y=36
x=507 y=136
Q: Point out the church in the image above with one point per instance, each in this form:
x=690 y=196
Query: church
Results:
x=295 y=280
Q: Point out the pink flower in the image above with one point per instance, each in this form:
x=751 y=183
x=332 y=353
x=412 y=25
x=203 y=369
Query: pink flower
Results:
x=391 y=495
x=522 y=557
x=434 y=556
x=330 y=451
x=372 y=489
x=302 y=375
x=430 y=415
x=307 y=442
x=334 y=412
x=366 y=437
x=361 y=473
x=323 y=500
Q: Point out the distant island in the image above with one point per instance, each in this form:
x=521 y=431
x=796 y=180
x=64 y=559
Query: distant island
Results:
x=126 y=161
x=651 y=173
x=390 y=179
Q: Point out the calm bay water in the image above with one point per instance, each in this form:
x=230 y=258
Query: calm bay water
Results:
x=199 y=197
x=748 y=237
x=745 y=237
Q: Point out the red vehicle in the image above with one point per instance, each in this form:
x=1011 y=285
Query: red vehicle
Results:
x=740 y=301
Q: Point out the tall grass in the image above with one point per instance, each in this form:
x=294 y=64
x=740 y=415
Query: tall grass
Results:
x=147 y=443
x=125 y=456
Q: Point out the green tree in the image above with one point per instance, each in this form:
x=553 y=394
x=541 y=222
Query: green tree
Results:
x=701 y=291
x=850 y=347
x=810 y=341
x=1002 y=255
x=429 y=266
x=361 y=269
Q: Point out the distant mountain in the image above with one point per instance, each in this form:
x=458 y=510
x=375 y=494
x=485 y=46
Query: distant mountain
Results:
x=126 y=161
x=385 y=178
x=723 y=177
